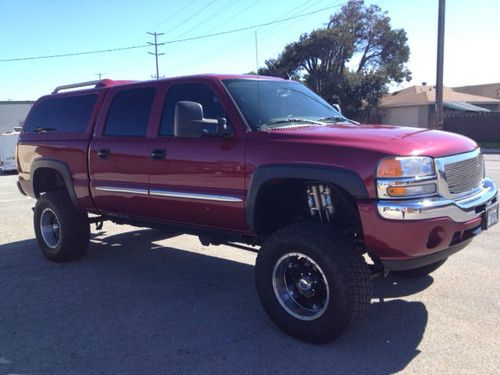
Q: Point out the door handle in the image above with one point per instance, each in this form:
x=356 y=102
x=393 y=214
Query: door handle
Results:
x=104 y=153
x=158 y=154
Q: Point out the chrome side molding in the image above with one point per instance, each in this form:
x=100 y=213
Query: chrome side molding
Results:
x=116 y=189
x=197 y=196
x=170 y=194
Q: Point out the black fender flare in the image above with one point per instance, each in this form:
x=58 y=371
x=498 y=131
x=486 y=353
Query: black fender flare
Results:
x=347 y=179
x=63 y=170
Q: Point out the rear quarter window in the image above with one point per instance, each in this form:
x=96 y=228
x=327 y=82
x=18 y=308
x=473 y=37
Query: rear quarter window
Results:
x=70 y=114
x=129 y=113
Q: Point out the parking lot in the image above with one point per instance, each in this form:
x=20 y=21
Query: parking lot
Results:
x=144 y=301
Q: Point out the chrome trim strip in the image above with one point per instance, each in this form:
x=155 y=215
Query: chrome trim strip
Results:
x=116 y=189
x=384 y=183
x=440 y=164
x=459 y=211
x=206 y=197
x=459 y=157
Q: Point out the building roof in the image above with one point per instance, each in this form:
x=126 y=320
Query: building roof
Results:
x=6 y=102
x=424 y=95
x=490 y=90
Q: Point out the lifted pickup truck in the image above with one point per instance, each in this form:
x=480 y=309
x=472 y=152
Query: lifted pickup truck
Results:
x=261 y=161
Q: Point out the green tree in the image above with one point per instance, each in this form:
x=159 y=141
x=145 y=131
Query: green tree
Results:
x=354 y=57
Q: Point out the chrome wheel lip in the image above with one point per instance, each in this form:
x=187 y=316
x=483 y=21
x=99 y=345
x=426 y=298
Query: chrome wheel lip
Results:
x=50 y=228
x=280 y=288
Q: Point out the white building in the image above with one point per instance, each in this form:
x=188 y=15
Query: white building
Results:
x=13 y=113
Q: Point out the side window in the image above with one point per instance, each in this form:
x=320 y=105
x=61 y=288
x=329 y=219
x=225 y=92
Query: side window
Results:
x=129 y=113
x=69 y=114
x=193 y=92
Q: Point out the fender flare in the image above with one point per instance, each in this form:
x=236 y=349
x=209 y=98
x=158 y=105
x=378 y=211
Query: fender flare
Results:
x=63 y=170
x=346 y=179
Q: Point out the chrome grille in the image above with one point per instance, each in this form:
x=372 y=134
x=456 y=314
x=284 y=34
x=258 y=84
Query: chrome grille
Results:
x=464 y=175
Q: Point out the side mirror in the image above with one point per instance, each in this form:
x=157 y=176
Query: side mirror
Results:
x=189 y=122
x=188 y=119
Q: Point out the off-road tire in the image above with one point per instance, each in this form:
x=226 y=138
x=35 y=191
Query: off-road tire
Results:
x=74 y=228
x=421 y=271
x=346 y=273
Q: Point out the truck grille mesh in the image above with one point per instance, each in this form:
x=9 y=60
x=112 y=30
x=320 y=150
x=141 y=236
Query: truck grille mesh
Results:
x=464 y=175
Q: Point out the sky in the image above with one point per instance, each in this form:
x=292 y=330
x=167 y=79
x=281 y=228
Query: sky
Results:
x=31 y=28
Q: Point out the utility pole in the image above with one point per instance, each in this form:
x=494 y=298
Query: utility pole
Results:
x=156 y=54
x=439 y=67
x=99 y=75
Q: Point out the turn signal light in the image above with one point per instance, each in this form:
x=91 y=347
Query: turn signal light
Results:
x=408 y=191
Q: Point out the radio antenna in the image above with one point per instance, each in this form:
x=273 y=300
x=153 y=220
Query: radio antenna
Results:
x=258 y=78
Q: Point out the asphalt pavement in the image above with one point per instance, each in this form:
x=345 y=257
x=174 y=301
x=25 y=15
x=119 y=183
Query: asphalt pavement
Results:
x=144 y=301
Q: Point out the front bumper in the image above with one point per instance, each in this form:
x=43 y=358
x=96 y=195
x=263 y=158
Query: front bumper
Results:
x=408 y=234
x=410 y=264
x=460 y=211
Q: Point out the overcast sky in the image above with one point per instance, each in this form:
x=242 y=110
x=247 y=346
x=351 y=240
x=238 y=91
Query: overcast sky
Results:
x=33 y=28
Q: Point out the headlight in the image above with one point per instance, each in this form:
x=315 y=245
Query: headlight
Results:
x=413 y=166
x=406 y=177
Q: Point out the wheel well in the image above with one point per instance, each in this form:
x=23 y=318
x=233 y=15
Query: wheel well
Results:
x=282 y=201
x=47 y=179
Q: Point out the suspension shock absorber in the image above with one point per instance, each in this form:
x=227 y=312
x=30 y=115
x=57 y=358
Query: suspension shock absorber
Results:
x=320 y=201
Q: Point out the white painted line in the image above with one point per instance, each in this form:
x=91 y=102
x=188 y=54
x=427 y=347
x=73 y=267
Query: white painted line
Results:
x=13 y=200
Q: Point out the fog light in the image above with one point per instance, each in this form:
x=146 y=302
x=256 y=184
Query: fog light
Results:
x=434 y=238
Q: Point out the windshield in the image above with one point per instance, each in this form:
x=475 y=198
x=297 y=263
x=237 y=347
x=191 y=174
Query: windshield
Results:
x=269 y=104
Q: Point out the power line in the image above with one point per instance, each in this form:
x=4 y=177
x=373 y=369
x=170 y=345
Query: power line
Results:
x=190 y=17
x=248 y=27
x=276 y=29
x=170 y=41
x=210 y=17
x=73 y=54
x=236 y=45
x=203 y=56
x=233 y=16
x=174 y=14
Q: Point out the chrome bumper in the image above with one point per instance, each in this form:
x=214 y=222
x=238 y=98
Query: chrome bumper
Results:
x=460 y=210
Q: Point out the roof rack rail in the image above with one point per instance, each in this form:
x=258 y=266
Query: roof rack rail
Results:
x=75 y=85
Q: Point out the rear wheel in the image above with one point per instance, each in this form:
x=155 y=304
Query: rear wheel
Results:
x=62 y=233
x=421 y=271
x=312 y=282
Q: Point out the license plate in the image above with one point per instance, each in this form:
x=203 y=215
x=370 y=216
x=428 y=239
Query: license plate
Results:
x=490 y=217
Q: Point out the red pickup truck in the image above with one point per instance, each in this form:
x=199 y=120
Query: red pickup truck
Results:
x=261 y=161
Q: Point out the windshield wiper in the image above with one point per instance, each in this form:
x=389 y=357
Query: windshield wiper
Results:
x=292 y=119
x=334 y=119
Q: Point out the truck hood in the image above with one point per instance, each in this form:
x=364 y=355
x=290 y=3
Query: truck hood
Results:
x=387 y=139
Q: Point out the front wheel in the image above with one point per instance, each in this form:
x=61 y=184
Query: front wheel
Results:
x=312 y=282
x=62 y=233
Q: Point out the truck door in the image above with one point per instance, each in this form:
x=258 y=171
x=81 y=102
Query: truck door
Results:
x=118 y=154
x=197 y=180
